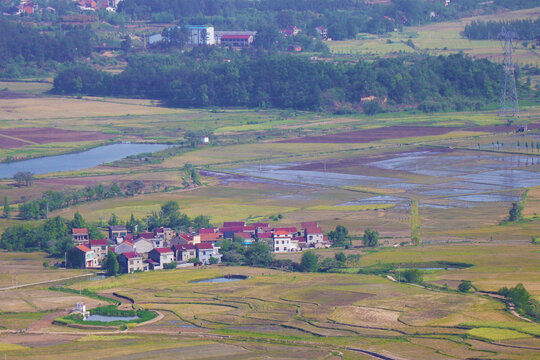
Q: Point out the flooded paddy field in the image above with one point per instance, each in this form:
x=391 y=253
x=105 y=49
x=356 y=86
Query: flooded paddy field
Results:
x=439 y=178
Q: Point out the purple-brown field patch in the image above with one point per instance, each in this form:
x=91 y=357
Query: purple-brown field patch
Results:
x=19 y=137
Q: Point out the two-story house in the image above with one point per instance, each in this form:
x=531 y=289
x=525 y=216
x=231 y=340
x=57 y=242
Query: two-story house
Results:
x=205 y=251
x=100 y=248
x=129 y=262
x=79 y=236
x=159 y=257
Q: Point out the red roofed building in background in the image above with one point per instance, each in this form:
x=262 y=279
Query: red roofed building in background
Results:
x=79 y=235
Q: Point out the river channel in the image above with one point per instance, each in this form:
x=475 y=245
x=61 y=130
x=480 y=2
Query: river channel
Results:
x=77 y=161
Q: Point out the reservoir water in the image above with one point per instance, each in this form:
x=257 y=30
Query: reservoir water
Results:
x=77 y=161
x=106 y=318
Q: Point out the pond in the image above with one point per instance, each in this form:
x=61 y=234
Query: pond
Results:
x=106 y=318
x=77 y=161
x=223 y=279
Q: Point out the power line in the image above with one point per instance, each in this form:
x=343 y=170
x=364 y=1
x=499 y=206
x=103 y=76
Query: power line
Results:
x=508 y=101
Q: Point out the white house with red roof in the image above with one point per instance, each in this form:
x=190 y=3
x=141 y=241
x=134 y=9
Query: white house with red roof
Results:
x=159 y=257
x=184 y=252
x=314 y=235
x=100 y=248
x=282 y=241
x=205 y=251
x=131 y=261
x=81 y=256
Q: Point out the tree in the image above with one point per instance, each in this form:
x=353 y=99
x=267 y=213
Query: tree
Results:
x=340 y=257
x=78 y=221
x=259 y=255
x=113 y=220
x=371 y=238
x=309 y=262
x=24 y=178
x=412 y=276
x=339 y=236
x=465 y=286
x=125 y=45
x=515 y=213
x=213 y=260
x=7 y=208
x=110 y=264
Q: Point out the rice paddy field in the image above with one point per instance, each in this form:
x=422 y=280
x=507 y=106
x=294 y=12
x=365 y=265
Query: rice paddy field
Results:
x=448 y=179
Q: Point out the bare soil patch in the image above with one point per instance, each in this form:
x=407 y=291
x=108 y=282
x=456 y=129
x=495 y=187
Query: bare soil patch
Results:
x=47 y=135
x=38 y=340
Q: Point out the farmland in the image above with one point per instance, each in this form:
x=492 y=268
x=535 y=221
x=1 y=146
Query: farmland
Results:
x=445 y=180
x=439 y=38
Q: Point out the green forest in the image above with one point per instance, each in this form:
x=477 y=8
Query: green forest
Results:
x=262 y=79
x=480 y=30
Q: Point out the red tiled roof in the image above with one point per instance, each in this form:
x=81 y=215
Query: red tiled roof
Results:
x=79 y=231
x=146 y=235
x=289 y=229
x=83 y=248
x=204 y=246
x=98 y=242
x=313 y=230
x=163 y=250
x=211 y=237
x=249 y=228
x=207 y=231
x=234 y=229
x=128 y=237
x=183 y=247
x=233 y=223
x=150 y=261
x=299 y=238
x=236 y=37
x=281 y=232
x=131 y=254
x=243 y=235
x=127 y=243
x=265 y=235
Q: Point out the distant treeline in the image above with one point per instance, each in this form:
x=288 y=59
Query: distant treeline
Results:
x=525 y=29
x=265 y=80
x=27 y=43
x=344 y=19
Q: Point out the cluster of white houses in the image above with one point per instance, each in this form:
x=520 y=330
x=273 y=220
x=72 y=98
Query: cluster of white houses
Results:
x=154 y=250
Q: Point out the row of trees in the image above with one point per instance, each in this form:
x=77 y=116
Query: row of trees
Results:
x=262 y=80
x=55 y=200
x=526 y=29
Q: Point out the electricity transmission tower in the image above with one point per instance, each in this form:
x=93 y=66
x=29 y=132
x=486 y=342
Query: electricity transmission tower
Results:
x=509 y=102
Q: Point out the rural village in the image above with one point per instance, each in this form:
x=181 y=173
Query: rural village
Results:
x=270 y=179
x=155 y=250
